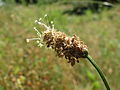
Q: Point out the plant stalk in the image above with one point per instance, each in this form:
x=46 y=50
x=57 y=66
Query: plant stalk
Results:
x=99 y=71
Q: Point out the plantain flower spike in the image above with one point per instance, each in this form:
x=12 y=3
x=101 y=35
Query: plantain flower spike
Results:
x=71 y=48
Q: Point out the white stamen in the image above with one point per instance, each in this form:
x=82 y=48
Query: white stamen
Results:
x=38 y=33
x=42 y=24
x=28 y=40
x=39 y=23
x=40 y=44
x=52 y=26
x=38 y=41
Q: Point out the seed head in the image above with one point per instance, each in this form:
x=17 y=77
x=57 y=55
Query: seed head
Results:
x=72 y=48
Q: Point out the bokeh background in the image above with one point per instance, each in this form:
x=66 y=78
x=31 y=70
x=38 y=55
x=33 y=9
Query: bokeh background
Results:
x=25 y=66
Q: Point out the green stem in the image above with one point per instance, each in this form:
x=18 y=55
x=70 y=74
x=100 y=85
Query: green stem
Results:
x=99 y=71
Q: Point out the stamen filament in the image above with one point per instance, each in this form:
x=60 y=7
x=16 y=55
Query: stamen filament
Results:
x=38 y=33
x=28 y=40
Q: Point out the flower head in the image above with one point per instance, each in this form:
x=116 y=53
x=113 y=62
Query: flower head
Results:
x=72 y=48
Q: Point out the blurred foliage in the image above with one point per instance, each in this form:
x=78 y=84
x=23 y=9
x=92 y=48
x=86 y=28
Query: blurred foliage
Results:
x=39 y=2
x=53 y=1
x=26 y=66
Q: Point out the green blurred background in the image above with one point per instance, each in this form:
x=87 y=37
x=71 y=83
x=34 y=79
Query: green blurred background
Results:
x=24 y=66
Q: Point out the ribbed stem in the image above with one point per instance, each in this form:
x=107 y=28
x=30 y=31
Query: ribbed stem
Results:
x=99 y=71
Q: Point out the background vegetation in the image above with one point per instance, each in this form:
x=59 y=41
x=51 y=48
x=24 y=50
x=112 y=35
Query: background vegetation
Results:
x=26 y=66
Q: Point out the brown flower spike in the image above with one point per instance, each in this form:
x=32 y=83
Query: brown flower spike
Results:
x=69 y=47
x=72 y=48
